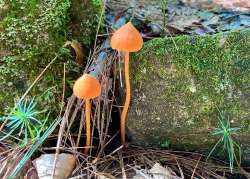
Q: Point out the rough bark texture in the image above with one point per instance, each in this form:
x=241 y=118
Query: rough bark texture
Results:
x=181 y=84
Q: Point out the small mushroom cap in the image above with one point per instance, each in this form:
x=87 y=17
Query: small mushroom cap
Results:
x=87 y=87
x=127 y=38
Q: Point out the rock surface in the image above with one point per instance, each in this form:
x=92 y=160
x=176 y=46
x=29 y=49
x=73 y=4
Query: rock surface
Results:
x=181 y=85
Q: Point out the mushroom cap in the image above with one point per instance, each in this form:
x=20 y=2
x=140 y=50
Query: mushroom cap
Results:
x=127 y=38
x=87 y=87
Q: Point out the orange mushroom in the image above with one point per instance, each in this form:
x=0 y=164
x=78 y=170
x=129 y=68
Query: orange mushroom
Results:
x=126 y=39
x=87 y=87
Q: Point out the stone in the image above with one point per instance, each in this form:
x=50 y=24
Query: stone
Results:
x=181 y=85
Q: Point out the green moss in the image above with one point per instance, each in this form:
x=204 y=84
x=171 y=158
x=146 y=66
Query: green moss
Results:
x=216 y=67
x=192 y=77
x=31 y=34
x=97 y=6
x=85 y=17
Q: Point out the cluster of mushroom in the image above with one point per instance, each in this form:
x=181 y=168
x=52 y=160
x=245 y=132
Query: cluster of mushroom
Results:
x=126 y=39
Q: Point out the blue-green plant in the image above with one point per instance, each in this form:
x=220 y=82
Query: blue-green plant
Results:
x=225 y=133
x=38 y=141
x=23 y=122
x=165 y=144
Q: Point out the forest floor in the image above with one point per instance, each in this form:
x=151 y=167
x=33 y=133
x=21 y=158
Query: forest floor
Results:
x=42 y=52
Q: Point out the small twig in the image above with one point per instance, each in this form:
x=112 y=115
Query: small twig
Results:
x=80 y=129
x=120 y=71
x=195 y=168
x=122 y=165
x=62 y=125
x=182 y=175
x=98 y=28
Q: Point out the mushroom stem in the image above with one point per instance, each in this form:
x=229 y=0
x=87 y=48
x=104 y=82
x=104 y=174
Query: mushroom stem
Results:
x=87 y=113
x=127 y=100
